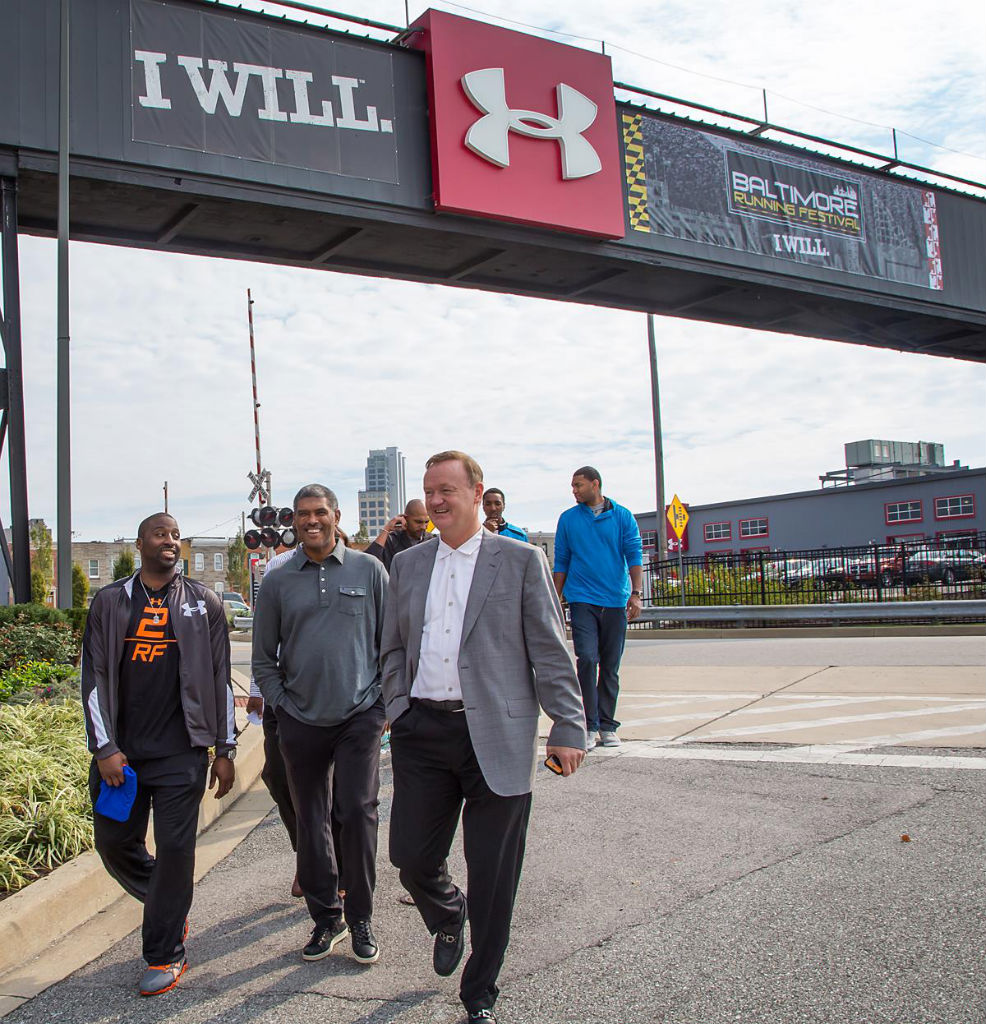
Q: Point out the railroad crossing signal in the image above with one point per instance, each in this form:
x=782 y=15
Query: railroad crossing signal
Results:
x=261 y=486
x=677 y=516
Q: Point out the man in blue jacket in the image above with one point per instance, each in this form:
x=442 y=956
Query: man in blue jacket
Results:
x=598 y=571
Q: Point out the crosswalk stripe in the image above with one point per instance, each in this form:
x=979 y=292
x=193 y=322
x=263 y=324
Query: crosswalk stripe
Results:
x=749 y=730
x=788 y=755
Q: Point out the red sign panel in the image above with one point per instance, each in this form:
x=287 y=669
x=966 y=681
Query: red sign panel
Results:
x=522 y=129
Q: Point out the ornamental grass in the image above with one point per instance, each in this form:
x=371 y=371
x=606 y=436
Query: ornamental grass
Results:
x=45 y=812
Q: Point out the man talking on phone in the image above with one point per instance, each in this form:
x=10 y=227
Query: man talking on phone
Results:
x=401 y=533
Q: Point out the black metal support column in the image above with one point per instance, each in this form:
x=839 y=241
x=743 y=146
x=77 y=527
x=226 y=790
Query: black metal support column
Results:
x=10 y=328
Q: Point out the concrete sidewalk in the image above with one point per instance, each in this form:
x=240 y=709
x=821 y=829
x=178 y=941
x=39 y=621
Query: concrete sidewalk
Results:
x=689 y=892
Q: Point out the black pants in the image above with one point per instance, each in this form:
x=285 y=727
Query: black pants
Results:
x=335 y=768
x=435 y=772
x=275 y=777
x=163 y=883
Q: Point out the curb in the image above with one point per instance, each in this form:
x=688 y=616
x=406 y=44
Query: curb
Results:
x=47 y=910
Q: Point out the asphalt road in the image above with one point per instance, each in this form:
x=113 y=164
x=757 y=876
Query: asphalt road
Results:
x=689 y=892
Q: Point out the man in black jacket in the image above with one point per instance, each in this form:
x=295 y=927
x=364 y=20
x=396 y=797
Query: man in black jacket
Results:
x=157 y=694
x=401 y=533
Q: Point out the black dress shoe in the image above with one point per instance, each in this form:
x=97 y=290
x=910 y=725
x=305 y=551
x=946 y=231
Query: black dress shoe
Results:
x=448 y=950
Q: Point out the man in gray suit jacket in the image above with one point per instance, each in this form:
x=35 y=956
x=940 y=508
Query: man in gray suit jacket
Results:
x=473 y=645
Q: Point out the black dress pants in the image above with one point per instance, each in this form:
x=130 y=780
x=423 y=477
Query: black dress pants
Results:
x=436 y=775
x=275 y=778
x=163 y=883
x=335 y=768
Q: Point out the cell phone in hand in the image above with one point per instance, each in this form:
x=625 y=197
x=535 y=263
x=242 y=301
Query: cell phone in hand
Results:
x=553 y=764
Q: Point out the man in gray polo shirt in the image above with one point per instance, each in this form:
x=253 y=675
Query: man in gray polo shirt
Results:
x=316 y=645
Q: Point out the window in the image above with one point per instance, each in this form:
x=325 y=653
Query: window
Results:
x=903 y=511
x=753 y=527
x=220 y=586
x=648 y=539
x=137 y=560
x=719 y=531
x=217 y=562
x=199 y=561
x=956 y=538
x=958 y=506
x=94 y=568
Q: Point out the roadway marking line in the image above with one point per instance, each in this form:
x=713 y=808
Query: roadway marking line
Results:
x=893 y=739
x=749 y=730
x=790 y=755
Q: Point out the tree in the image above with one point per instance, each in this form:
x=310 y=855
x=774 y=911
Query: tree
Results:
x=237 y=572
x=42 y=562
x=123 y=565
x=80 y=586
x=361 y=537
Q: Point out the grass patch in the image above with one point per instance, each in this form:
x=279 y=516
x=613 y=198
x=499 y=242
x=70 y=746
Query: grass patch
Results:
x=45 y=811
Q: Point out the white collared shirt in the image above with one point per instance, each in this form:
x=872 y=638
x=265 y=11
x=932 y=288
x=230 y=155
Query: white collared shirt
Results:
x=437 y=677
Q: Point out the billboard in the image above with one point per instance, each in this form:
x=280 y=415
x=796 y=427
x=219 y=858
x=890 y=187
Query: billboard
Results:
x=698 y=186
x=233 y=86
x=522 y=128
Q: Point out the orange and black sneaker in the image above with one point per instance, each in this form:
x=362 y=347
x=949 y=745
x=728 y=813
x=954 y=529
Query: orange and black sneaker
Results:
x=161 y=978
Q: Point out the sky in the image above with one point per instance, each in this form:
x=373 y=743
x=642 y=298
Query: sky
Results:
x=531 y=388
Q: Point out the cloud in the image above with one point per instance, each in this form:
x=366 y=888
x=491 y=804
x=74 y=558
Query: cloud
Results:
x=533 y=388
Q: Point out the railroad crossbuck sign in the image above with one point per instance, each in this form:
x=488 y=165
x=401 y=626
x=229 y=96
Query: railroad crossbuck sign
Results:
x=522 y=128
x=677 y=516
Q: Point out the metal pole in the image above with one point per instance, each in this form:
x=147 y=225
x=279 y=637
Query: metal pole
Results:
x=165 y=495
x=63 y=474
x=17 y=444
x=662 y=519
x=256 y=404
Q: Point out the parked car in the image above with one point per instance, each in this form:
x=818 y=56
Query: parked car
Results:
x=940 y=565
x=234 y=609
x=231 y=595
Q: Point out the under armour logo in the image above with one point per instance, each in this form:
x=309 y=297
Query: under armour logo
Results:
x=489 y=136
x=190 y=611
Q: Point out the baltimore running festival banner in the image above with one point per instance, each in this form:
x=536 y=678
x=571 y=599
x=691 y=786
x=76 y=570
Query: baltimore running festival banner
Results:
x=699 y=186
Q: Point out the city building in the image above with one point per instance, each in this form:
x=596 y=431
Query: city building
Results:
x=384 y=494
x=947 y=506
x=872 y=460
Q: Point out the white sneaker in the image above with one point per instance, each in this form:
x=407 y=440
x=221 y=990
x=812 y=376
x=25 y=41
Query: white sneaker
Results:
x=609 y=739
x=590 y=742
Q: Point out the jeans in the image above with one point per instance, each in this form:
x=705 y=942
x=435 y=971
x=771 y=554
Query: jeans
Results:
x=598 y=635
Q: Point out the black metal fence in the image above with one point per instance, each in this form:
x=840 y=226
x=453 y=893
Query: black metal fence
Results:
x=907 y=571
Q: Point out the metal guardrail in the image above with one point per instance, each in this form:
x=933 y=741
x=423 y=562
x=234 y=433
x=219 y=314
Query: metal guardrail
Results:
x=894 y=610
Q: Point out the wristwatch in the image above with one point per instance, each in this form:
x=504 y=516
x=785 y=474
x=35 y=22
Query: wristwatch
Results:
x=636 y=593
x=229 y=754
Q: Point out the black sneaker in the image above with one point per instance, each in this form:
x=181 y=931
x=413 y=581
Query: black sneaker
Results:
x=483 y=1016
x=324 y=937
x=365 y=947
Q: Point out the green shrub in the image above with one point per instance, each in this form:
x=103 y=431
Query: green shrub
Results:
x=77 y=617
x=23 y=640
x=45 y=812
x=30 y=613
x=38 y=678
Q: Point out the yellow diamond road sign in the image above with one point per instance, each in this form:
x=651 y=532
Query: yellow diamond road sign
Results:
x=677 y=516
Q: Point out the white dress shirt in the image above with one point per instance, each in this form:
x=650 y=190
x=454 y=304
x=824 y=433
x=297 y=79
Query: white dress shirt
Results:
x=437 y=677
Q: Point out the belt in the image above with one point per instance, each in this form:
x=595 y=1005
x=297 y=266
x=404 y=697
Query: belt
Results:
x=439 y=705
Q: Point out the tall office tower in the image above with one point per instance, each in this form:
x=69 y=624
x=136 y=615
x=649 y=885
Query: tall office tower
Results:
x=385 y=494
